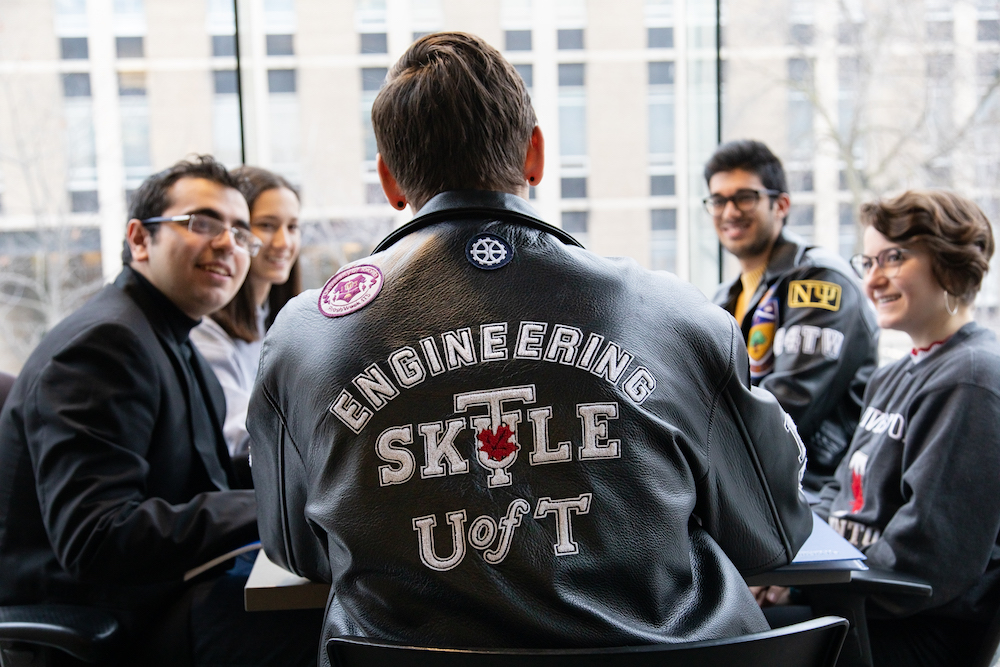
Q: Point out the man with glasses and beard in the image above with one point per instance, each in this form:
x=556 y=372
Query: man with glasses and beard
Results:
x=811 y=337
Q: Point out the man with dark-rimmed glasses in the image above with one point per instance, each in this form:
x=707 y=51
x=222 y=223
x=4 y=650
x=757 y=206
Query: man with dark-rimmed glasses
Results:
x=115 y=479
x=811 y=337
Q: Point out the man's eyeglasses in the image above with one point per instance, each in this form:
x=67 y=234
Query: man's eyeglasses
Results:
x=889 y=260
x=206 y=225
x=743 y=200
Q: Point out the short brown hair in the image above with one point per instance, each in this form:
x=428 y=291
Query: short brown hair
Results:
x=952 y=228
x=239 y=317
x=453 y=115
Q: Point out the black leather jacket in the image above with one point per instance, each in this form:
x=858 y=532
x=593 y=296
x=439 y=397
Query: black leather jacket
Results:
x=564 y=451
x=813 y=343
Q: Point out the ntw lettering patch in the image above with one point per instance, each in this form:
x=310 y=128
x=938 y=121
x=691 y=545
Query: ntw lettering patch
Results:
x=813 y=294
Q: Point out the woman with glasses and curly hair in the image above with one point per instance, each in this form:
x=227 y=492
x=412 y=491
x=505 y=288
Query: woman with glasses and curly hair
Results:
x=230 y=338
x=919 y=488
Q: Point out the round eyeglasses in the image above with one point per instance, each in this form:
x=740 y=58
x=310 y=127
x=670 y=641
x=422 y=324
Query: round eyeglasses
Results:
x=211 y=227
x=743 y=200
x=889 y=261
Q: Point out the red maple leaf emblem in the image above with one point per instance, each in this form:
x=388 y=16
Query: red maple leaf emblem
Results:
x=858 y=491
x=497 y=445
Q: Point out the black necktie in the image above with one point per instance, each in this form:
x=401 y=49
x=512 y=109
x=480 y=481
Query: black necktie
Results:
x=204 y=431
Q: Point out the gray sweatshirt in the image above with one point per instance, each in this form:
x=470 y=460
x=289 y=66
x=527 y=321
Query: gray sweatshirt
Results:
x=919 y=488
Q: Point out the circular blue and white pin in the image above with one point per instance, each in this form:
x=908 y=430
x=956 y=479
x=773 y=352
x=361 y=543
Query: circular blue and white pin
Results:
x=350 y=290
x=488 y=251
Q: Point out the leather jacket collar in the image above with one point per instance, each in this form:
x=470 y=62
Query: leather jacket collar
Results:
x=786 y=254
x=475 y=203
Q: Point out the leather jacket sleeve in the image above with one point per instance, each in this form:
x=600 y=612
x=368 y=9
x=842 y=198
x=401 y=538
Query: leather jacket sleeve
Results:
x=281 y=481
x=819 y=349
x=750 y=432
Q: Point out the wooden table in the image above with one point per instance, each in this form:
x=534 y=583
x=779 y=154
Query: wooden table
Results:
x=271 y=587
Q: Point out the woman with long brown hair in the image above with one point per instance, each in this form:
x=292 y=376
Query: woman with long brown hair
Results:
x=230 y=338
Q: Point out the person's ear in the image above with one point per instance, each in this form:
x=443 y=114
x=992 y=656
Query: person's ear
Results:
x=534 y=160
x=782 y=204
x=138 y=238
x=389 y=185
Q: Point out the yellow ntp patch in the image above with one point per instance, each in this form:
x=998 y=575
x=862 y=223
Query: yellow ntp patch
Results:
x=813 y=294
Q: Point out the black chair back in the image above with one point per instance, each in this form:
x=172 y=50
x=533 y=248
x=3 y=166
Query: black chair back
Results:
x=988 y=652
x=814 y=643
x=42 y=634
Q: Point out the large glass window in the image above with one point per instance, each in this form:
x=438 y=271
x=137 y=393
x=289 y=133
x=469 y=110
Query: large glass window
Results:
x=98 y=94
x=879 y=97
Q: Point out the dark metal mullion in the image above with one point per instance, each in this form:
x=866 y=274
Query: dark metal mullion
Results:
x=239 y=83
x=718 y=98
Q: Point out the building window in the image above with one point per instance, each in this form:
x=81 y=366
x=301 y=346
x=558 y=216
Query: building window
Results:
x=131 y=83
x=800 y=125
x=73 y=48
x=800 y=109
x=280 y=45
x=517 y=40
x=226 y=123
x=848 y=231
x=527 y=74
x=83 y=201
x=661 y=73
x=129 y=47
x=576 y=223
x=76 y=84
x=223 y=45
x=662 y=185
x=660 y=38
x=280 y=81
x=225 y=81
x=371 y=81
x=661 y=115
x=801 y=34
x=800 y=220
x=286 y=136
x=372 y=78
x=663 y=241
x=128 y=6
x=374 y=194
x=849 y=33
x=800 y=181
x=571 y=74
x=574 y=188
x=135 y=125
x=567 y=40
x=70 y=7
x=572 y=112
x=988 y=30
x=81 y=151
x=940 y=31
x=374 y=42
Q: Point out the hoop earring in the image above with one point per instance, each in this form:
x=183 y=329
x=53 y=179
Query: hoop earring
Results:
x=947 y=304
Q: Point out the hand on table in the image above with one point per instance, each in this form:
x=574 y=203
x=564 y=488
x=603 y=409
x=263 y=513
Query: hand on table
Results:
x=770 y=596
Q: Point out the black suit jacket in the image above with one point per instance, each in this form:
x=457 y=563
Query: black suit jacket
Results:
x=105 y=498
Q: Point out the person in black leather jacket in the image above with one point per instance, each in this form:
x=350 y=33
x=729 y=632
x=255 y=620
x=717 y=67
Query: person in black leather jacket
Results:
x=484 y=435
x=811 y=336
